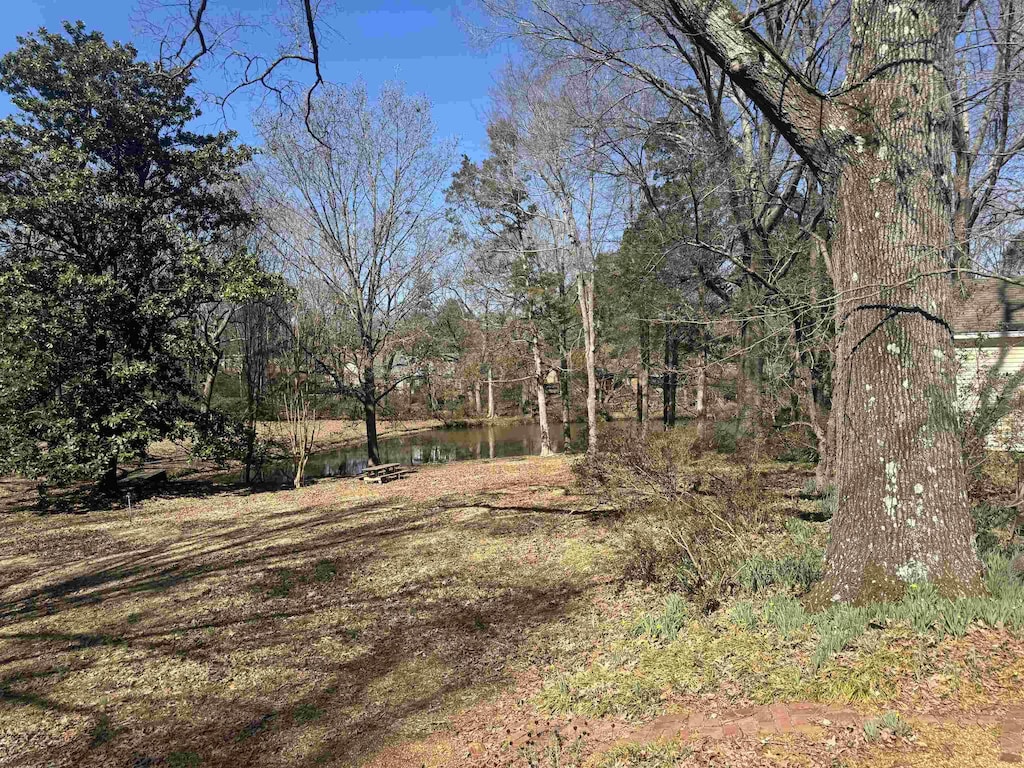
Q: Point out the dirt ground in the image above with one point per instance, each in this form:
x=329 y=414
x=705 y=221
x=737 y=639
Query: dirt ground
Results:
x=307 y=627
x=410 y=624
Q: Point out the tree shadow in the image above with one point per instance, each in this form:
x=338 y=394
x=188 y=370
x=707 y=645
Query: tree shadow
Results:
x=424 y=643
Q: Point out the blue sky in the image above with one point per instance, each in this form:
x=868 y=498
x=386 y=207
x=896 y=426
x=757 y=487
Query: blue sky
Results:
x=418 y=42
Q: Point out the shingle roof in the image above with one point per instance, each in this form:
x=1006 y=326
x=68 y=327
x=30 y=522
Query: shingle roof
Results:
x=991 y=306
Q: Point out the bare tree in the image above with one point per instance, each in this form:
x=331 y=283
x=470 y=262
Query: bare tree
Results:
x=359 y=224
x=873 y=101
x=577 y=200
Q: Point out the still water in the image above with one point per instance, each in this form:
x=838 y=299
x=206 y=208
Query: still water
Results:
x=436 y=446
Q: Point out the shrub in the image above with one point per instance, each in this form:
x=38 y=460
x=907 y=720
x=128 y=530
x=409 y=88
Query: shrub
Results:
x=890 y=722
x=796 y=571
x=671 y=533
x=667 y=624
x=995 y=527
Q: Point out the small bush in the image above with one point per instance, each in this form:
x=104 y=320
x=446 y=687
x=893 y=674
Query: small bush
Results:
x=671 y=533
x=796 y=571
x=995 y=527
x=667 y=624
x=890 y=722
x=101 y=732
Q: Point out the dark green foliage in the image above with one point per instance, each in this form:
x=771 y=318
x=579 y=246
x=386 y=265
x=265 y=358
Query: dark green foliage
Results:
x=114 y=217
x=988 y=520
x=184 y=759
x=307 y=713
x=796 y=572
x=796 y=569
x=101 y=732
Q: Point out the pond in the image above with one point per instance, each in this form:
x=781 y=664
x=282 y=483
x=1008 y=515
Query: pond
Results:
x=435 y=446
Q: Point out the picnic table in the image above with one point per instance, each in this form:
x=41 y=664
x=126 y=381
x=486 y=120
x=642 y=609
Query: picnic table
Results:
x=383 y=473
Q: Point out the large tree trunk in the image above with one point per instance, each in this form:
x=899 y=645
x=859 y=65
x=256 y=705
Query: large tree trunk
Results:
x=477 y=409
x=903 y=510
x=370 y=415
x=881 y=149
x=585 y=289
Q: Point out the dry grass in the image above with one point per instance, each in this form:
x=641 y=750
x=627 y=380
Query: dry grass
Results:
x=292 y=628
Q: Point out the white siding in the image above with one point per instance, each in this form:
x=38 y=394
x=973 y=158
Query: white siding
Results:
x=977 y=363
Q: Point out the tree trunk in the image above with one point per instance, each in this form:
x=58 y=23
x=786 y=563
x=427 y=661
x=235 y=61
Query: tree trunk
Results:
x=699 y=404
x=666 y=398
x=563 y=392
x=542 y=400
x=644 y=379
x=476 y=397
x=490 y=392
x=585 y=288
x=673 y=380
x=108 y=482
x=211 y=378
x=370 y=415
x=903 y=511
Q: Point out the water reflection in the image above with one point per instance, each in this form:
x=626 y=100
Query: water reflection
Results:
x=436 y=446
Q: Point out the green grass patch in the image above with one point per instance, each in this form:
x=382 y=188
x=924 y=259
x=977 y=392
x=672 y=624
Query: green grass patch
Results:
x=101 y=732
x=184 y=759
x=324 y=570
x=771 y=649
x=660 y=755
x=306 y=713
x=890 y=722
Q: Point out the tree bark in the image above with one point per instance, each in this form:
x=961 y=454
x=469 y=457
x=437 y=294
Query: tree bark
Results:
x=903 y=510
x=108 y=482
x=585 y=288
x=370 y=415
x=700 y=409
x=674 y=381
x=490 y=392
x=542 y=399
x=644 y=378
x=213 y=342
x=563 y=385
x=881 y=150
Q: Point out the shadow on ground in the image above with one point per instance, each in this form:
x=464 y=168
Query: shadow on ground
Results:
x=257 y=631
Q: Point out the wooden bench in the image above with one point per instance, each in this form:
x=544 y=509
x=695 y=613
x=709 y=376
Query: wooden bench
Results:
x=383 y=473
x=143 y=478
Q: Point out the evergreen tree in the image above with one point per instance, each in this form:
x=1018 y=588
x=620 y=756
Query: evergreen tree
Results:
x=111 y=208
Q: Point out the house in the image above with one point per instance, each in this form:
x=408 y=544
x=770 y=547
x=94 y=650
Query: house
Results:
x=988 y=331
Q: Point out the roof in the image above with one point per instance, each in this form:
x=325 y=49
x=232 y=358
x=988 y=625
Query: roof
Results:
x=991 y=306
